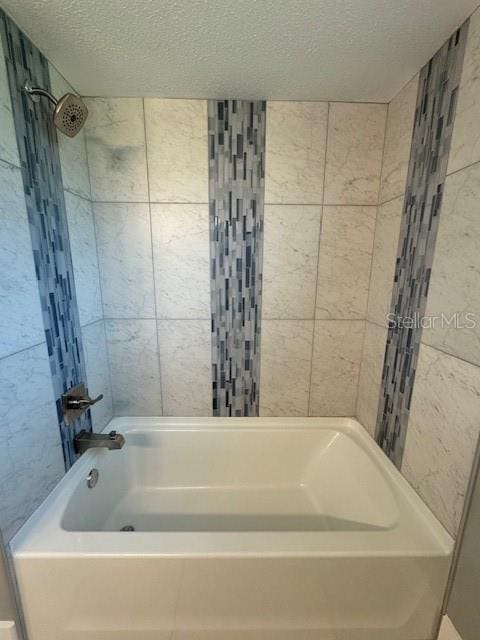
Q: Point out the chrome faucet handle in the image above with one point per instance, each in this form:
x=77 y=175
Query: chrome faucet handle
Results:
x=76 y=401
x=79 y=403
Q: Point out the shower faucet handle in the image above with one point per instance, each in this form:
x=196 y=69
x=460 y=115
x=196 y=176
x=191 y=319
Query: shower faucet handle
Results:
x=76 y=401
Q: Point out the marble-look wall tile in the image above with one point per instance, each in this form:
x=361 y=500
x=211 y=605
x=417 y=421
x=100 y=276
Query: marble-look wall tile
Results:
x=73 y=151
x=337 y=351
x=295 y=152
x=21 y=323
x=354 y=153
x=435 y=111
x=81 y=231
x=442 y=432
x=45 y=203
x=290 y=255
x=370 y=376
x=454 y=282
x=346 y=245
x=31 y=458
x=186 y=367
x=115 y=134
x=177 y=149
x=387 y=232
x=465 y=147
x=98 y=373
x=180 y=237
x=8 y=140
x=125 y=259
x=285 y=367
x=133 y=357
x=398 y=139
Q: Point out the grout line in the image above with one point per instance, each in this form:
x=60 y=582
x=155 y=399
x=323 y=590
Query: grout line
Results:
x=220 y=98
x=371 y=259
x=159 y=319
x=7 y=163
x=318 y=263
x=94 y=222
x=468 y=166
x=153 y=259
x=315 y=319
x=267 y=204
x=78 y=195
x=316 y=204
x=447 y=353
x=205 y=319
x=149 y=202
x=92 y=322
x=397 y=197
x=15 y=353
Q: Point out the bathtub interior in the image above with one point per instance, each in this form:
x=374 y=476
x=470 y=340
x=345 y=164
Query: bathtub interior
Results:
x=248 y=480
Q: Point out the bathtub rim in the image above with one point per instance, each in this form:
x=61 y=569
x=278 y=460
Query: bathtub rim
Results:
x=42 y=535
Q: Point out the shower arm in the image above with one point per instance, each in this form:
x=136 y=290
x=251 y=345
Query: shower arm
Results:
x=36 y=92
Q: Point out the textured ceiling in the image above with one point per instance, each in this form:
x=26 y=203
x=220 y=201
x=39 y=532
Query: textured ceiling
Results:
x=363 y=50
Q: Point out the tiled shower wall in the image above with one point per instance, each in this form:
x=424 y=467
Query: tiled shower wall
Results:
x=83 y=243
x=443 y=425
x=31 y=459
x=149 y=175
x=323 y=163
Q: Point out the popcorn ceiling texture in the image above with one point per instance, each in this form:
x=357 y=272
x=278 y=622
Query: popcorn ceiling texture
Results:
x=273 y=49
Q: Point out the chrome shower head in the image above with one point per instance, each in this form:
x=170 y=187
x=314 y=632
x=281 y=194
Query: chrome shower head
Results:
x=70 y=112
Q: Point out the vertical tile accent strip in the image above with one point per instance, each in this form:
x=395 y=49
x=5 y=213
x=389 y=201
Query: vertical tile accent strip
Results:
x=432 y=133
x=42 y=181
x=236 y=130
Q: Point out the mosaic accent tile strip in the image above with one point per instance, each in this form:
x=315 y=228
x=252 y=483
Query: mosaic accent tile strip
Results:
x=432 y=133
x=236 y=130
x=42 y=180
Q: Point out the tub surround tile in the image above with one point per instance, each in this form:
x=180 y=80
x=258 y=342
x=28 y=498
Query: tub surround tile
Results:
x=133 y=357
x=295 y=152
x=180 y=237
x=442 y=433
x=73 y=151
x=456 y=269
x=354 y=153
x=125 y=259
x=31 y=458
x=465 y=147
x=344 y=263
x=81 y=230
x=115 y=134
x=177 y=148
x=385 y=246
x=45 y=204
x=290 y=261
x=236 y=130
x=337 y=351
x=370 y=376
x=8 y=140
x=98 y=374
x=21 y=322
x=422 y=212
x=285 y=367
x=398 y=140
x=186 y=367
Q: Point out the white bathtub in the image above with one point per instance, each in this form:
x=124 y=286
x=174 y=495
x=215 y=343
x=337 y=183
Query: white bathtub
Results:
x=245 y=529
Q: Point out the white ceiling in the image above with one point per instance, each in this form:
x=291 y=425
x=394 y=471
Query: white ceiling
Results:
x=363 y=50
